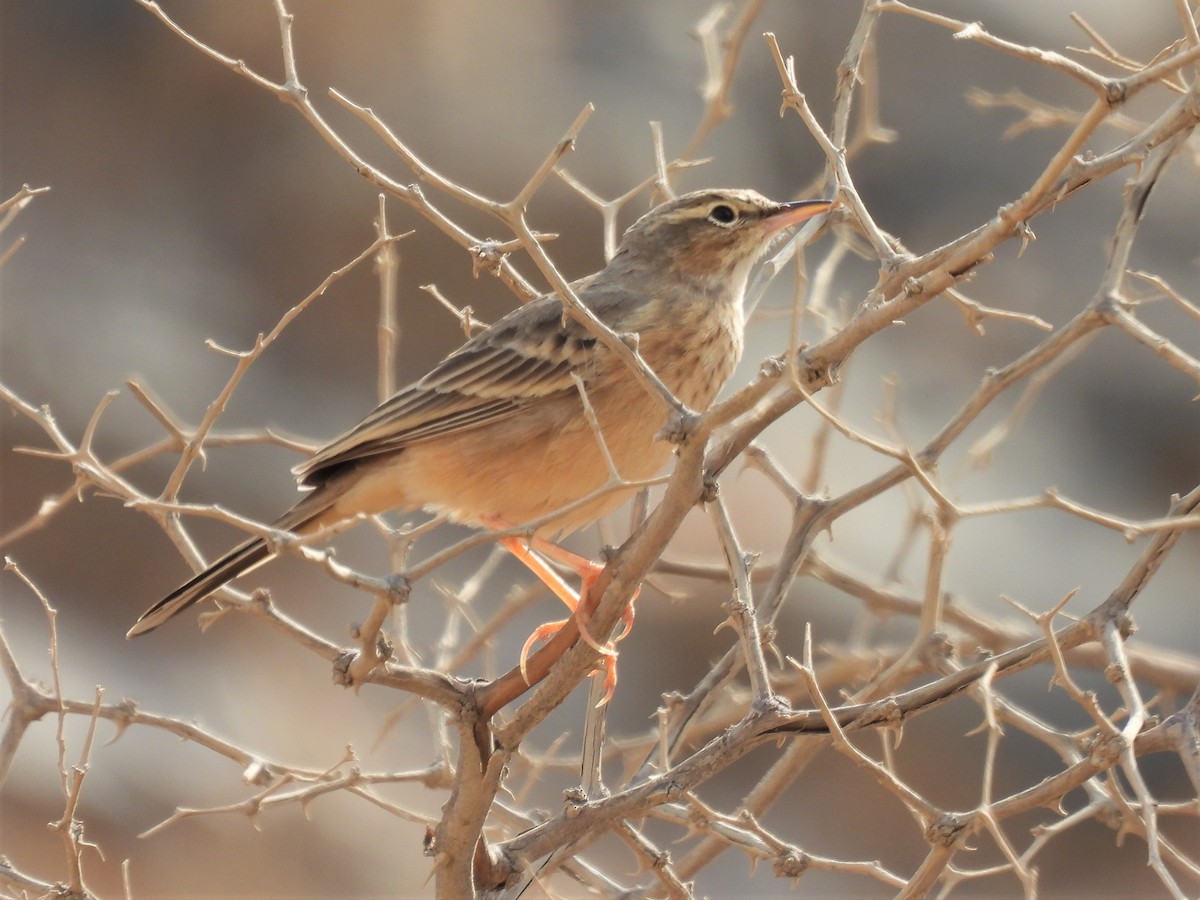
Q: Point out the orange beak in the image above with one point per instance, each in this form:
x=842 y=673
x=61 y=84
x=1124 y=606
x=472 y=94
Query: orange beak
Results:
x=795 y=212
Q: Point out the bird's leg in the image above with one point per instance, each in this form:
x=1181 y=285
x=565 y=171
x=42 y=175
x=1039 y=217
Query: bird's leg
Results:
x=549 y=577
x=562 y=590
x=588 y=572
x=579 y=604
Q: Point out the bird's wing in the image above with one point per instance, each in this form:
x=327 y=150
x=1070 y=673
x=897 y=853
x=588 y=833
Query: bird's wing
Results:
x=528 y=354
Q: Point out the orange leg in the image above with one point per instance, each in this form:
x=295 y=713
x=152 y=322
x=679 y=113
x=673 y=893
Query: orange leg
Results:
x=588 y=572
x=561 y=589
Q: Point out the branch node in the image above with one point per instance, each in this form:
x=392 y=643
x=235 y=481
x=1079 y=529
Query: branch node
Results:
x=680 y=427
x=341 y=668
x=399 y=588
x=946 y=831
x=936 y=649
x=790 y=864
x=772 y=367
x=1116 y=90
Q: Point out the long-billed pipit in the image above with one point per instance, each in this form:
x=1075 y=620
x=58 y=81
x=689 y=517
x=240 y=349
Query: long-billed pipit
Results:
x=497 y=435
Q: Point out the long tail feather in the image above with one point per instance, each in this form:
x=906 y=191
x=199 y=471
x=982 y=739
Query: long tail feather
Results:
x=236 y=562
x=313 y=511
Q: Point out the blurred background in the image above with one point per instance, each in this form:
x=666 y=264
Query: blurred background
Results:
x=187 y=205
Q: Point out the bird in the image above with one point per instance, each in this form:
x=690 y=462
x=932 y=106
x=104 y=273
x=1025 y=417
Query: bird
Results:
x=520 y=424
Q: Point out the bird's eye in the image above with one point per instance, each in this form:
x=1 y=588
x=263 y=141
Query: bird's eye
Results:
x=722 y=215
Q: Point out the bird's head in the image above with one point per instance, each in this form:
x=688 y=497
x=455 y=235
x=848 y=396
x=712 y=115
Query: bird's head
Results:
x=711 y=237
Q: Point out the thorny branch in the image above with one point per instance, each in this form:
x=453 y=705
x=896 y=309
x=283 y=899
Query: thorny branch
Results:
x=955 y=653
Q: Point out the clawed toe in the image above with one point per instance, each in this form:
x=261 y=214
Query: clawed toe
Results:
x=547 y=630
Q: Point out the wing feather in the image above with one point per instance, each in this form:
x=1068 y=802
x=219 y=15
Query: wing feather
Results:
x=529 y=354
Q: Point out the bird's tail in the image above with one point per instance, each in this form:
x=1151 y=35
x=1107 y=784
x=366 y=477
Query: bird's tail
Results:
x=310 y=513
x=344 y=492
x=239 y=560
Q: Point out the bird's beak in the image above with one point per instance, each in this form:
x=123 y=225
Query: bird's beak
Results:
x=795 y=212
